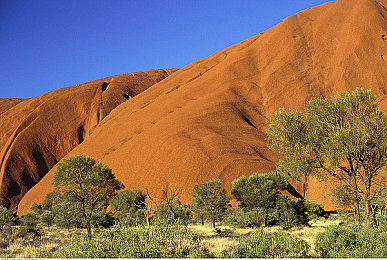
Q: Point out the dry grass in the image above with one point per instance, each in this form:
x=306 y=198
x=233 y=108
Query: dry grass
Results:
x=309 y=234
x=217 y=244
x=53 y=237
x=36 y=247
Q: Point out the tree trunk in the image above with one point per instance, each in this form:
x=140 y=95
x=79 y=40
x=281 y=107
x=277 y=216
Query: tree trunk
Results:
x=356 y=210
x=367 y=213
x=367 y=202
x=213 y=221
x=88 y=228
x=202 y=219
x=356 y=206
x=147 y=218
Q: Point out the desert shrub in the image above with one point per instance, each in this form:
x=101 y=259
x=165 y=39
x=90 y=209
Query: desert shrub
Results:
x=47 y=218
x=269 y=245
x=352 y=242
x=236 y=219
x=180 y=211
x=262 y=192
x=240 y=219
x=290 y=213
x=29 y=225
x=224 y=232
x=210 y=200
x=313 y=217
x=64 y=216
x=380 y=223
x=128 y=220
x=7 y=219
x=128 y=202
x=102 y=219
x=160 y=240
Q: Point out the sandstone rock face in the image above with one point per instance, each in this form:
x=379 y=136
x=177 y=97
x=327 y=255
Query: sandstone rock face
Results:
x=208 y=120
x=38 y=132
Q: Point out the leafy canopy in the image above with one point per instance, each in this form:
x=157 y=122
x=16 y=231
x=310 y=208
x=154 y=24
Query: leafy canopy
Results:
x=212 y=199
x=259 y=190
x=86 y=186
x=344 y=137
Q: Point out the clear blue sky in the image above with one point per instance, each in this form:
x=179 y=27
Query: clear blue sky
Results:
x=49 y=44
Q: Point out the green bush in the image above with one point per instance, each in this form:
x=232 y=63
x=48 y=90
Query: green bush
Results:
x=240 y=219
x=128 y=202
x=380 y=223
x=128 y=220
x=180 y=211
x=269 y=245
x=64 y=215
x=47 y=218
x=102 y=219
x=289 y=213
x=352 y=242
x=236 y=219
x=157 y=241
x=29 y=225
x=7 y=219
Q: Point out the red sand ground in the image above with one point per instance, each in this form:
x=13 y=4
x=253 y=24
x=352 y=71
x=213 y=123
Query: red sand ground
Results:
x=208 y=120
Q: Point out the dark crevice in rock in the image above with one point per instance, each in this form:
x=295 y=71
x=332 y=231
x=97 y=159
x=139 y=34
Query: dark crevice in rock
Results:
x=81 y=134
x=104 y=86
x=248 y=121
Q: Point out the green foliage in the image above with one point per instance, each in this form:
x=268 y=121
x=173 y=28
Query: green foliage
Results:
x=87 y=185
x=128 y=220
x=128 y=201
x=47 y=218
x=65 y=214
x=7 y=219
x=241 y=219
x=128 y=206
x=269 y=245
x=259 y=190
x=102 y=219
x=343 y=196
x=261 y=200
x=210 y=200
x=181 y=211
x=353 y=242
x=344 y=137
x=289 y=213
x=380 y=223
x=29 y=225
x=157 y=241
x=313 y=208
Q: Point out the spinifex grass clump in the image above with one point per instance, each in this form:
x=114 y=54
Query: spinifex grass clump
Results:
x=269 y=245
x=160 y=240
x=353 y=242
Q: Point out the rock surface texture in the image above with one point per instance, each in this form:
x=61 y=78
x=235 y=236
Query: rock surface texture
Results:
x=208 y=120
x=38 y=132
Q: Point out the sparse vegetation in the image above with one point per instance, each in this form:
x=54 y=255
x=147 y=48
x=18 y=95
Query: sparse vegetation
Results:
x=213 y=200
x=7 y=219
x=265 y=224
x=352 y=242
x=261 y=244
x=161 y=240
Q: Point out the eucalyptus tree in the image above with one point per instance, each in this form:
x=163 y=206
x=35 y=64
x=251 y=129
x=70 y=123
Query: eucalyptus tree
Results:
x=344 y=137
x=211 y=199
x=87 y=185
